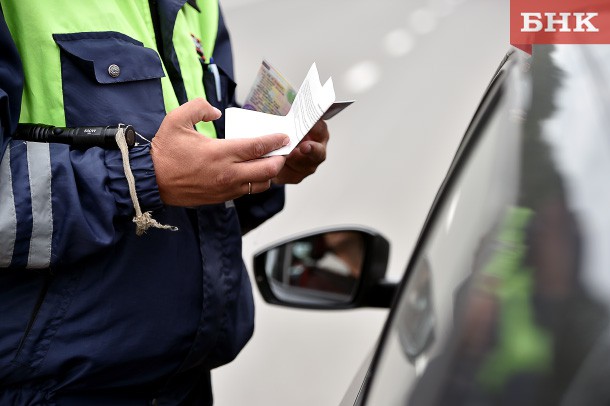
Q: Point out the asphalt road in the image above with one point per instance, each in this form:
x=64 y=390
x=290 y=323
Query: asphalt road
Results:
x=417 y=70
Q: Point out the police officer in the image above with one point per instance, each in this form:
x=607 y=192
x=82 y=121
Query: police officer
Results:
x=91 y=312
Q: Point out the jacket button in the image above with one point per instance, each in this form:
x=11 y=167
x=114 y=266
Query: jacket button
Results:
x=114 y=70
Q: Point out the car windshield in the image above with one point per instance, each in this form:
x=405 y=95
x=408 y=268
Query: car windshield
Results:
x=506 y=300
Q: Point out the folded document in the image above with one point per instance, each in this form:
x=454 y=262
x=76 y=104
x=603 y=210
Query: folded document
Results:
x=312 y=103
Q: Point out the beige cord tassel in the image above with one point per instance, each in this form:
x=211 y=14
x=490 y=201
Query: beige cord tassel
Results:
x=143 y=221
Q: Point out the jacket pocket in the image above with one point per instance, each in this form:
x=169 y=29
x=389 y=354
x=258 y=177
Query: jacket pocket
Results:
x=36 y=304
x=110 y=78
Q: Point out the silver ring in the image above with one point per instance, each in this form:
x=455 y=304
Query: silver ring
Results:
x=249 y=188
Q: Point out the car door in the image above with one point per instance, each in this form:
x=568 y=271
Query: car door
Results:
x=509 y=279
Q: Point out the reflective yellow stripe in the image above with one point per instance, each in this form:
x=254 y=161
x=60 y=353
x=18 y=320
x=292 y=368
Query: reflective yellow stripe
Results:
x=204 y=25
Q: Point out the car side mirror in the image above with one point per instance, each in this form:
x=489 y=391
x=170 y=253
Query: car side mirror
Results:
x=330 y=269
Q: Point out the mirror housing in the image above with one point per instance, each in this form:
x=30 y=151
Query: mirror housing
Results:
x=335 y=268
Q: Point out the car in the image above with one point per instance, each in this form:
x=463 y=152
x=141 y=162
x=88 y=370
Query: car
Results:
x=417 y=70
x=506 y=297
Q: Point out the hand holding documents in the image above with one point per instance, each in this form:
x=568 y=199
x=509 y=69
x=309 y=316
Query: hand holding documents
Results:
x=312 y=103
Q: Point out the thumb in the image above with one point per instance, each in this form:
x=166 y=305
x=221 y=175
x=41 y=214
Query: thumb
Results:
x=194 y=111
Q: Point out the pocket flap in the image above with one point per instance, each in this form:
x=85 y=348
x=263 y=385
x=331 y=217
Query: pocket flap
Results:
x=111 y=57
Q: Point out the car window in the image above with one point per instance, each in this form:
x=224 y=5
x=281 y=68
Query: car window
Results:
x=506 y=297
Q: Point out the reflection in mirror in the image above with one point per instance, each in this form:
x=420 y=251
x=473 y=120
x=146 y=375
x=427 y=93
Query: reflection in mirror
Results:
x=323 y=268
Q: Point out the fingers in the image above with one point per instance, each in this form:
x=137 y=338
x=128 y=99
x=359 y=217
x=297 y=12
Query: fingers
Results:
x=252 y=188
x=319 y=133
x=249 y=177
x=260 y=170
x=247 y=149
x=253 y=173
x=310 y=154
x=307 y=157
x=194 y=111
x=302 y=162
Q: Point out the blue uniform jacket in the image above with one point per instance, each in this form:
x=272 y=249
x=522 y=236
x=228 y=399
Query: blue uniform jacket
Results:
x=90 y=313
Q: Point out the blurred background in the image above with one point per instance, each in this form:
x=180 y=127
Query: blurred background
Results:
x=417 y=69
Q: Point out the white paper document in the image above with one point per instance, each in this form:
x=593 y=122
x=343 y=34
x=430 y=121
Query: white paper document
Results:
x=312 y=103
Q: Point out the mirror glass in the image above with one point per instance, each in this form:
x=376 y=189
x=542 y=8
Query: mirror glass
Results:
x=320 y=269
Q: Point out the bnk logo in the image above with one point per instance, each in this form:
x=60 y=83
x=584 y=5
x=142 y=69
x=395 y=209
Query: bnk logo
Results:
x=559 y=22
x=532 y=22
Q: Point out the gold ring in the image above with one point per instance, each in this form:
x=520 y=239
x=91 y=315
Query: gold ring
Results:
x=249 y=188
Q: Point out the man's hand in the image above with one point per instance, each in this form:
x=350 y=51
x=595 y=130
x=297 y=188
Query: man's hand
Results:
x=305 y=159
x=193 y=170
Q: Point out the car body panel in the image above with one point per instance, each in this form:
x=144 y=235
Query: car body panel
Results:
x=522 y=219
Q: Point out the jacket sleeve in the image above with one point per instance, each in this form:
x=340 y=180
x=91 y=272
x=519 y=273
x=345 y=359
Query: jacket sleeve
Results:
x=59 y=205
x=252 y=210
